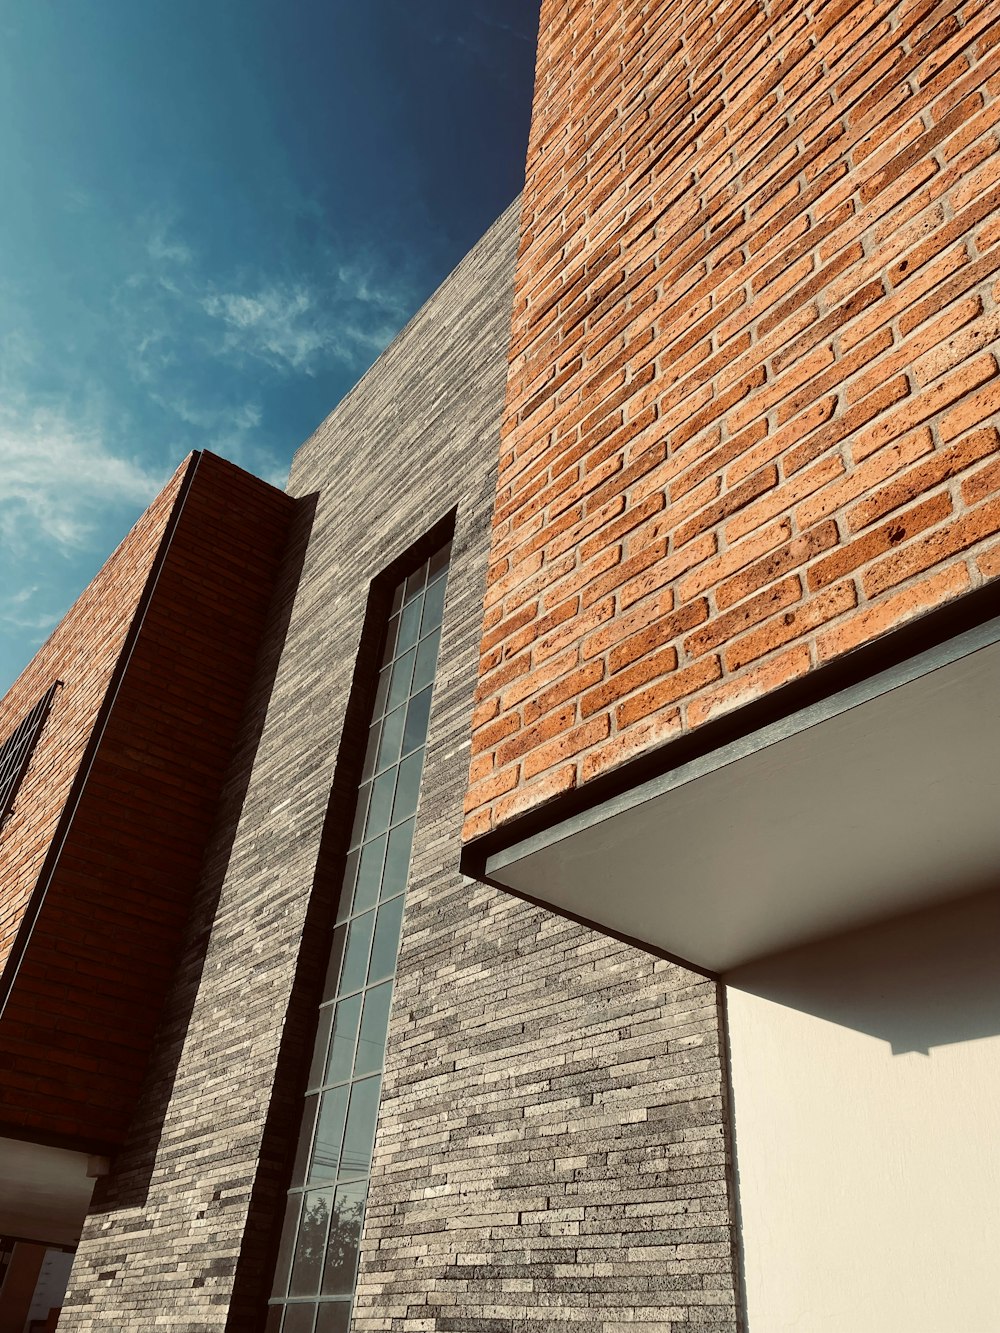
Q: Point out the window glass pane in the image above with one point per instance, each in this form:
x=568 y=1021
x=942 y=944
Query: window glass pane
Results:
x=392 y=734
x=417 y=713
x=360 y=1135
x=305 y=1141
x=298 y=1319
x=344 y=1032
x=288 y=1233
x=334 y=1316
x=329 y=1135
x=370 y=874
x=402 y=674
x=371 y=750
x=359 y=938
x=397 y=859
x=391 y=634
x=333 y=970
x=433 y=605
x=407 y=787
x=381 y=694
x=409 y=626
x=360 y=814
x=273 y=1319
x=345 y=905
x=371 y=1043
x=345 y=1236
x=386 y=946
x=423 y=672
x=310 y=1245
x=438 y=561
x=380 y=803
x=320 y=1048
x=414 y=584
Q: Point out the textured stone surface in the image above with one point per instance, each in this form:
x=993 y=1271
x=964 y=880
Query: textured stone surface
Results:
x=551 y=1147
x=753 y=394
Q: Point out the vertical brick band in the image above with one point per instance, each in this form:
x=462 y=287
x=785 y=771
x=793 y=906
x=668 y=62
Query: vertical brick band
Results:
x=751 y=417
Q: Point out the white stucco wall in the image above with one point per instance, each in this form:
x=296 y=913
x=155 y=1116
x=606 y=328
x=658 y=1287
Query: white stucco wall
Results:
x=866 y=1103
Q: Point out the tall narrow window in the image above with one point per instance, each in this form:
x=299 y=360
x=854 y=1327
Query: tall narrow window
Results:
x=17 y=749
x=318 y=1256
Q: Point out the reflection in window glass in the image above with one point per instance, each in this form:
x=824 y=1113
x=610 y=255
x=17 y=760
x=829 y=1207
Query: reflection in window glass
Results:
x=345 y=1235
x=371 y=1041
x=329 y=1136
x=397 y=859
x=299 y=1319
x=359 y=1136
x=386 y=943
x=310 y=1244
x=322 y=1230
x=334 y=1316
x=423 y=670
x=359 y=940
x=345 y=1031
x=392 y=734
x=402 y=675
x=369 y=874
x=407 y=787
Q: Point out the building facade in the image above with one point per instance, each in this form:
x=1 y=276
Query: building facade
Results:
x=541 y=870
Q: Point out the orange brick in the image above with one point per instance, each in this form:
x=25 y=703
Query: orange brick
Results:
x=988 y=563
x=668 y=691
x=524 y=798
x=770 y=294
x=932 y=549
x=893 y=611
x=621 y=746
x=783 y=629
x=939 y=467
x=566 y=746
x=793 y=555
x=750 y=685
x=569 y=687
x=748 y=613
x=861 y=550
x=497 y=784
x=528 y=738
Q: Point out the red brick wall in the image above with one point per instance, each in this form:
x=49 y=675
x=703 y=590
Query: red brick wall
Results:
x=81 y=1018
x=753 y=391
x=81 y=652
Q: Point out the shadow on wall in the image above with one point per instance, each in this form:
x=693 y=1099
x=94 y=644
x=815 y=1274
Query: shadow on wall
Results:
x=919 y=981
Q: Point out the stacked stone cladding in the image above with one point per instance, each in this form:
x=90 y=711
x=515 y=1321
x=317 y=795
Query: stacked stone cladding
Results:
x=551 y=1148
x=751 y=417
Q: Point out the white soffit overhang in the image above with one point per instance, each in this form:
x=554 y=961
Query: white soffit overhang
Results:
x=879 y=800
x=45 y=1192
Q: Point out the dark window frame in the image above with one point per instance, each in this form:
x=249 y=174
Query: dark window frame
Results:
x=17 y=750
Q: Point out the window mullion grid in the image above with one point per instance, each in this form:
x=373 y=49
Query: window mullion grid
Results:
x=365 y=791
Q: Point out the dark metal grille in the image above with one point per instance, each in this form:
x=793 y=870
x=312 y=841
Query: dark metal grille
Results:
x=17 y=749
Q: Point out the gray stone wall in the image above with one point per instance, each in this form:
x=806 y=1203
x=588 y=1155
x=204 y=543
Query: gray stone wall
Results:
x=551 y=1146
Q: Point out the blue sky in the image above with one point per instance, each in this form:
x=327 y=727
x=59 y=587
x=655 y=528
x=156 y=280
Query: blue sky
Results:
x=216 y=213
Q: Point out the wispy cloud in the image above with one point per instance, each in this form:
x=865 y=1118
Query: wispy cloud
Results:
x=296 y=329
x=164 y=247
x=337 y=315
x=58 y=479
x=282 y=326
